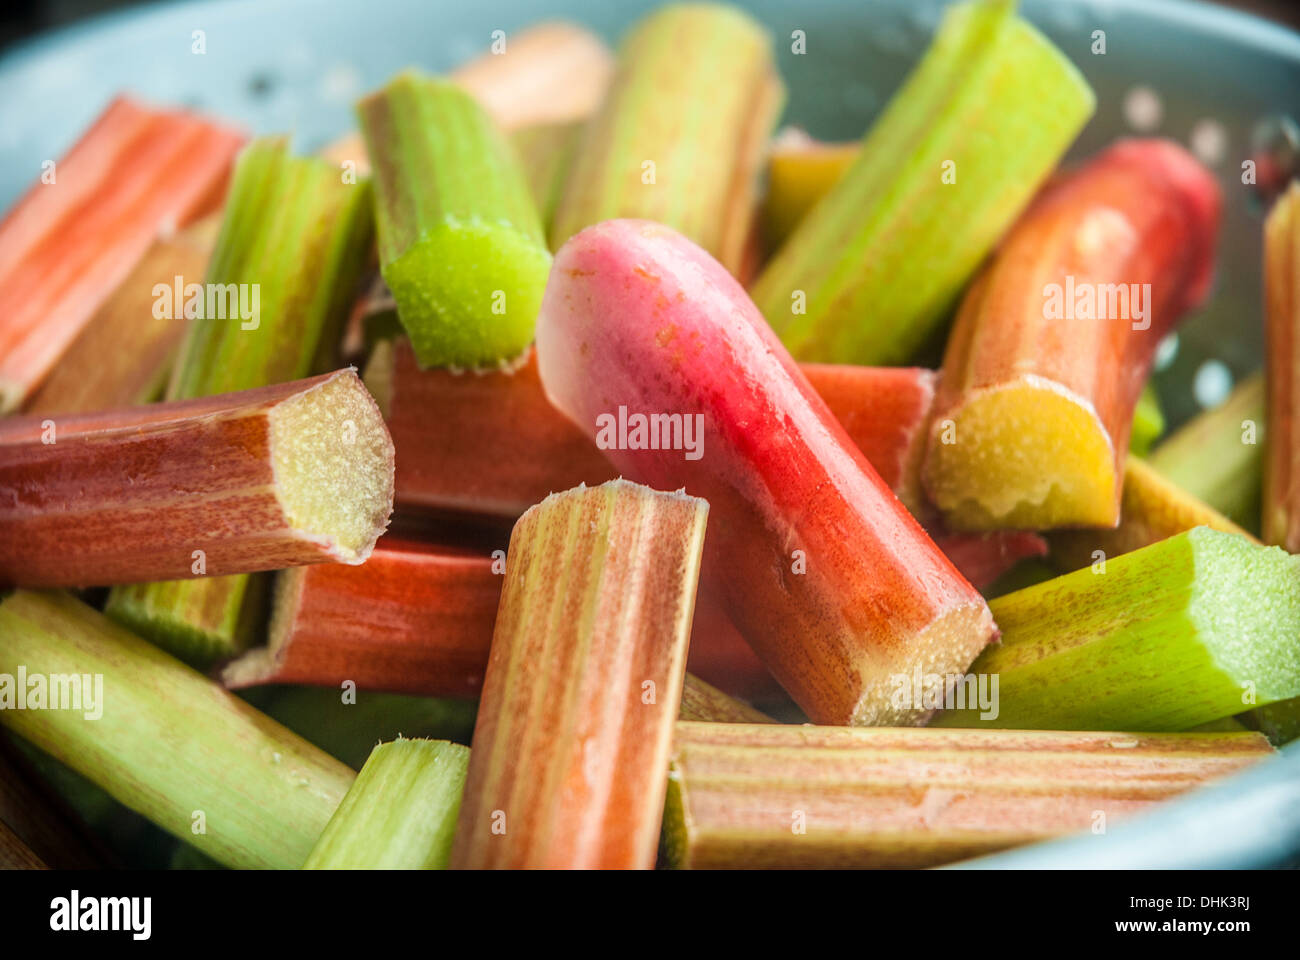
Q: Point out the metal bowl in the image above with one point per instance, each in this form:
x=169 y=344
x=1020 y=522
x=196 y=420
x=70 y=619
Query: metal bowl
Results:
x=1203 y=75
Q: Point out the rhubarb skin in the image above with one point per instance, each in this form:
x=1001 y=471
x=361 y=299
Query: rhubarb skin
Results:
x=695 y=93
x=414 y=618
x=1190 y=629
x=584 y=682
x=1032 y=418
x=739 y=793
x=128 y=496
x=873 y=270
x=96 y=372
x=636 y=315
x=551 y=73
x=1280 y=514
x=1152 y=509
x=136 y=173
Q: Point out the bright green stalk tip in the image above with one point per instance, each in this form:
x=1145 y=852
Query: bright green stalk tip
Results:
x=163 y=739
x=291 y=248
x=1148 y=422
x=960 y=150
x=461 y=244
x=1188 y=630
x=400 y=813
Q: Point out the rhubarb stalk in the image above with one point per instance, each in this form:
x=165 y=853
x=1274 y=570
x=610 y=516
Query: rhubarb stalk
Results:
x=278 y=287
x=1055 y=339
x=1280 y=515
x=461 y=245
x=96 y=372
x=825 y=573
x=136 y=173
x=1193 y=628
x=800 y=171
x=161 y=738
x=746 y=796
x=680 y=136
x=1217 y=455
x=704 y=702
x=413 y=619
x=400 y=812
x=584 y=682
x=868 y=275
x=135 y=495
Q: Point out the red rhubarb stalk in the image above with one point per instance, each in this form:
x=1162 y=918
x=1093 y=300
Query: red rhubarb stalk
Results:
x=1054 y=341
x=76 y=234
x=414 y=618
x=823 y=570
x=295 y=473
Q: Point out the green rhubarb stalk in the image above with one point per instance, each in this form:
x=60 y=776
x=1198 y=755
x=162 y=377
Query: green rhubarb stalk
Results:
x=163 y=739
x=1217 y=456
x=1148 y=422
x=868 y=275
x=295 y=233
x=546 y=152
x=682 y=133
x=400 y=813
x=1190 y=629
x=461 y=244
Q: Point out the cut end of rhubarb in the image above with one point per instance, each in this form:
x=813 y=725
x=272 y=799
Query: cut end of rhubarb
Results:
x=475 y=289
x=1248 y=600
x=947 y=647
x=333 y=461
x=990 y=465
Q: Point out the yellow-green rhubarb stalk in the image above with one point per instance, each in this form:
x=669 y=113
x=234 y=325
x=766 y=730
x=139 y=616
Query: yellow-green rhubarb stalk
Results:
x=1217 y=456
x=400 y=813
x=1199 y=626
x=160 y=737
x=681 y=135
x=957 y=154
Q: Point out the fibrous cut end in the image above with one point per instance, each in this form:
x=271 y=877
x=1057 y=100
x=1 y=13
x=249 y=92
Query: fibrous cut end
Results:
x=333 y=462
x=1030 y=454
x=945 y=648
x=1247 y=599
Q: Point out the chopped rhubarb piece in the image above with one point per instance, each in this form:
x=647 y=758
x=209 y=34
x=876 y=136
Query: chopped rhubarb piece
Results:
x=413 y=618
x=745 y=796
x=305 y=475
x=1055 y=339
x=136 y=174
x=1280 y=516
x=584 y=682
x=823 y=570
